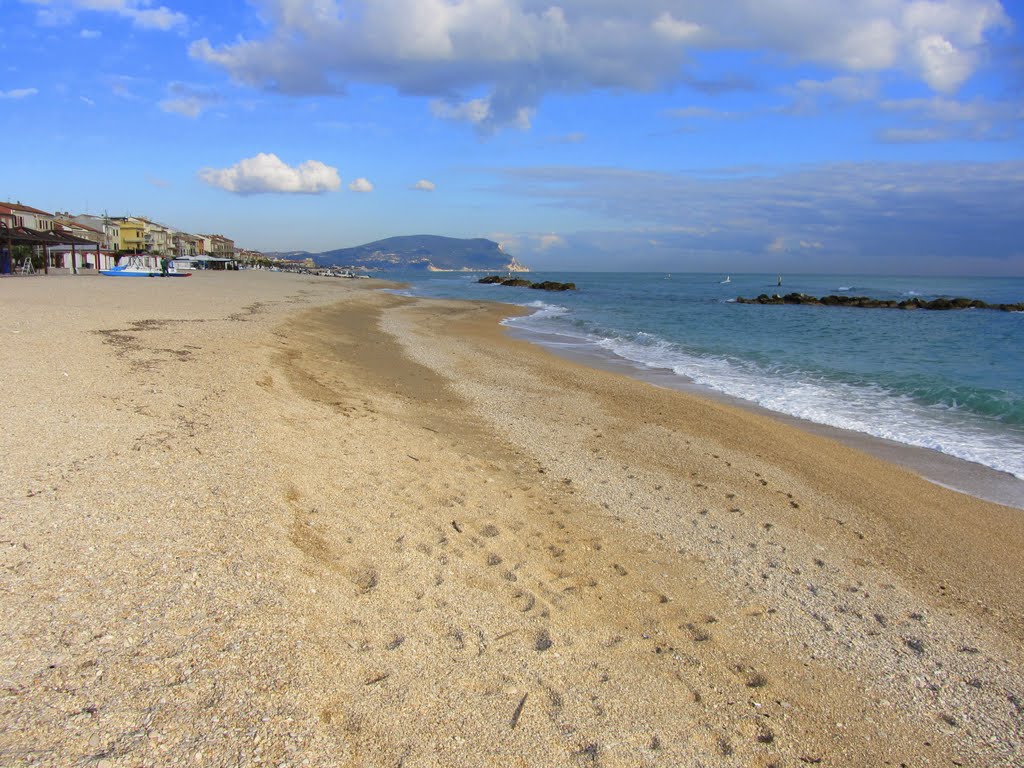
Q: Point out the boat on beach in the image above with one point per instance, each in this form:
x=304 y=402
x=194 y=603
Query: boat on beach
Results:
x=136 y=266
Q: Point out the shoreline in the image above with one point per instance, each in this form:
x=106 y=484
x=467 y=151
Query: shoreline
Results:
x=273 y=519
x=968 y=477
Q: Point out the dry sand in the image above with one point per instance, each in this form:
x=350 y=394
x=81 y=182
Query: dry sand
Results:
x=263 y=519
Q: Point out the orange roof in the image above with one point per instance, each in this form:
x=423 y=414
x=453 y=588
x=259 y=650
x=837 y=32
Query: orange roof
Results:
x=13 y=207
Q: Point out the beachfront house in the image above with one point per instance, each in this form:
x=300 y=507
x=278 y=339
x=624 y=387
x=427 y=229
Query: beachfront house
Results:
x=187 y=246
x=220 y=251
x=80 y=229
x=70 y=257
x=109 y=227
x=159 y=239
x=32 y=239
x=28 y=217
x=133 y=233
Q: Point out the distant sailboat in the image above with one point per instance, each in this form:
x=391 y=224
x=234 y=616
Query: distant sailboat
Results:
x=780 y=280
x=728 y=279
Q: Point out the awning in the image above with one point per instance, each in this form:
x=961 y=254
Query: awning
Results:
x=26 y=236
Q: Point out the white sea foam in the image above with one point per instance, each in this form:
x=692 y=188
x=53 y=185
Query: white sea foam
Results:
x=869 y=409
x=542 y=311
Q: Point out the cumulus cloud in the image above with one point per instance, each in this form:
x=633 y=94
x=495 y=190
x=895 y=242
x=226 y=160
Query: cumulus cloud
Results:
x=424 y=186
x=490 y=63
x=139 y=12
x=481 y=113
x=18 y=93
x=361 y=185
x=267 y=173
x=187 y=100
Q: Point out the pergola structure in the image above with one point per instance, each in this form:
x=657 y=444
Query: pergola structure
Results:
x=12 y=236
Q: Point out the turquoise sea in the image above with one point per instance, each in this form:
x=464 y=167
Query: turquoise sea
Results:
x=948 y=381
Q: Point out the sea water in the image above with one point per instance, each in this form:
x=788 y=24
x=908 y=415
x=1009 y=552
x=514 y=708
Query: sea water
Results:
x=952 y=381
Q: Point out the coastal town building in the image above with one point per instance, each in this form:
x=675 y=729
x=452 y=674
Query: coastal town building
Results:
x=109 y=227
x=158 y=238
x=66 y=223
x=32 y=240
x=187 y=246
x=219 y=246
x=28 y=217
x=133 y=234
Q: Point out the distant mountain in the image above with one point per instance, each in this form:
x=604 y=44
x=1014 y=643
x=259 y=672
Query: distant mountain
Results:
x=428 y=252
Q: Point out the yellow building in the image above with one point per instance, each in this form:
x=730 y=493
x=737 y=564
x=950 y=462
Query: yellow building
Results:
x=133 y=233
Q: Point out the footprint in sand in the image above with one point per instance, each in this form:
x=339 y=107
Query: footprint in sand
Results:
x=523 y=600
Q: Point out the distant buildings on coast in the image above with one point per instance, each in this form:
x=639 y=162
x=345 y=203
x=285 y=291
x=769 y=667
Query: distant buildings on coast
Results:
x=35 y=240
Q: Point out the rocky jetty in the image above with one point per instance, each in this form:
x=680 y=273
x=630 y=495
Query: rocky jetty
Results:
x=518 y=282
x=940 y=303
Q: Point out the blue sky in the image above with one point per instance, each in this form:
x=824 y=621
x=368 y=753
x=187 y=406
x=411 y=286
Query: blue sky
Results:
x=677 y=135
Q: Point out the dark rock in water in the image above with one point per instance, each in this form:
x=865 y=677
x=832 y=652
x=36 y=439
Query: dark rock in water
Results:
x=518 y=282
x=550 y=285
x=866 y=302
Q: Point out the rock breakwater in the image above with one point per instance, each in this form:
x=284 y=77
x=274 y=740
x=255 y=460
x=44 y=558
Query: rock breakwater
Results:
x=941 y=303
x=518 y=282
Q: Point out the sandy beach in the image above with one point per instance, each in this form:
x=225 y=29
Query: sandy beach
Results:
x=268 y=519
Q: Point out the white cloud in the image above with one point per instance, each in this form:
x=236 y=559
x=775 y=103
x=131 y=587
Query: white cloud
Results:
x=669 y=27
x=475 y=111
x=943 y=66
x=90 y=34
x=266 y=173
x=155 y=18
x=491 y=62
x=187 y=100
x=480 y=113
x=940 y=118
x=550 y=241
x=87 y=101
x=361 y=185
x=424 y=186
x=138 y=12
x=18 y=93
x=844 y=88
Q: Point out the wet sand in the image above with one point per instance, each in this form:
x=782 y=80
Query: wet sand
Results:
x=263 y=519
x=960 y=475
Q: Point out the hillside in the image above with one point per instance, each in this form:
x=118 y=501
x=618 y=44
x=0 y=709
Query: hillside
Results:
x=428 y=252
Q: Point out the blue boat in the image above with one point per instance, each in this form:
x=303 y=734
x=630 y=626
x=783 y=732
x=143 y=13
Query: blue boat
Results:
x=135 y=266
